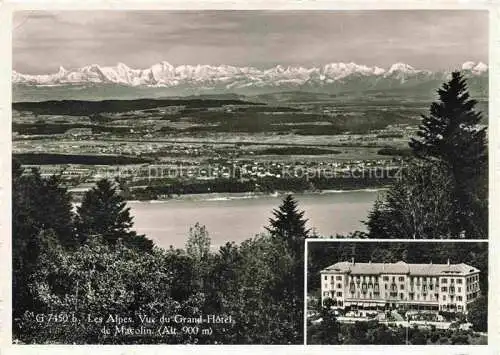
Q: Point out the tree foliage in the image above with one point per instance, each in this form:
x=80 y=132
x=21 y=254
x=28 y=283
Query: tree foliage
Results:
x=478 y=313
x=104 y=274
x=450 y=133
x=288 y=224
x=40 y=207
x=418 y=206
x=443 y=192
x=103 y=212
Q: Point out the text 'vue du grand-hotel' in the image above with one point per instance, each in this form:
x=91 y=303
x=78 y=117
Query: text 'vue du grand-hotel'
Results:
x=433 y=287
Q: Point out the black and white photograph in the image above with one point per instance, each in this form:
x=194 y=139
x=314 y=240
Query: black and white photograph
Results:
x=169 y=168
x=397 y=293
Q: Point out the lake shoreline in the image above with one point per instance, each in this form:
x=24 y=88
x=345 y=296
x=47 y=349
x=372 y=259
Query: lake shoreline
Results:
x=224 y=196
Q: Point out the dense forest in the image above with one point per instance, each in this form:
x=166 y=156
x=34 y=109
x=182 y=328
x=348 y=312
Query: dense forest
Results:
x=73 y=268
x=165 y=187
x=82 y=159
x=84 y=108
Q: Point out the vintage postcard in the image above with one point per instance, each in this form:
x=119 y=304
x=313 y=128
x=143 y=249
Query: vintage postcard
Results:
x=249 y=176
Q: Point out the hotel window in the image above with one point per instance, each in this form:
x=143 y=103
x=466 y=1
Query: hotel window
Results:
x=402 y=295
x=386 y=278
x=444 y=297
x=459 y=289
x=326 y=278
x=339 y=278
x=444 y=289
x=339 y=285
x=339 y=294
x=431 y=287
x=385 y=286
x=393 y=279
x=459 y=298
x=452 y=281
x=459 y=281
x=401 y=287
x=401 y=278
x=325 y=294
x=445 y=281
x=424 y=288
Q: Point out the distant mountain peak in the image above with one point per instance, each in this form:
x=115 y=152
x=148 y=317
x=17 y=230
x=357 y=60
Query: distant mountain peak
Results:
x=226 y=78
x=401 y=67
x=474 y=67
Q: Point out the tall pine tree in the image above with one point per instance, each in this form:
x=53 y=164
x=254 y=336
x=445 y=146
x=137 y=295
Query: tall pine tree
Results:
x=288 y=230
x=103 y=213
x=289 y=224
x=452 y=134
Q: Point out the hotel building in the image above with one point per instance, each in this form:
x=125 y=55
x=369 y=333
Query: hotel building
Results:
x=379 y=286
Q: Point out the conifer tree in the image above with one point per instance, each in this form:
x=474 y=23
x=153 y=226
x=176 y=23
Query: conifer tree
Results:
x=103 y=212
x=451 y=134
x=288 y=230
x=289 y=224
x=41 y=216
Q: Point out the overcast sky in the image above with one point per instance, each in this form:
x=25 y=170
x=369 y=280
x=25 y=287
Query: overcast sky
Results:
x=43 y=41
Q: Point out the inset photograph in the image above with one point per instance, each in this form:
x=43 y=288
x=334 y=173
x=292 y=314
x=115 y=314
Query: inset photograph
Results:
x=413 y=293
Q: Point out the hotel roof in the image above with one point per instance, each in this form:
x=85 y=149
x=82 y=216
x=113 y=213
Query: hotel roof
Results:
x=400 y=267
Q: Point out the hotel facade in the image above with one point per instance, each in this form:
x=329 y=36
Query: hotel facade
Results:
x=381 y=286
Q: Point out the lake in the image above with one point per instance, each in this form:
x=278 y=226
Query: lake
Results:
x=236 y=218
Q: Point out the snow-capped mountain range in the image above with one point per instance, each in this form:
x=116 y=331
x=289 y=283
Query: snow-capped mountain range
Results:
x=234 y=78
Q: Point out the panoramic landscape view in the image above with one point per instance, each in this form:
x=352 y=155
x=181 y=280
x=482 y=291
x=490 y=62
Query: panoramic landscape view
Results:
x=168 y=199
